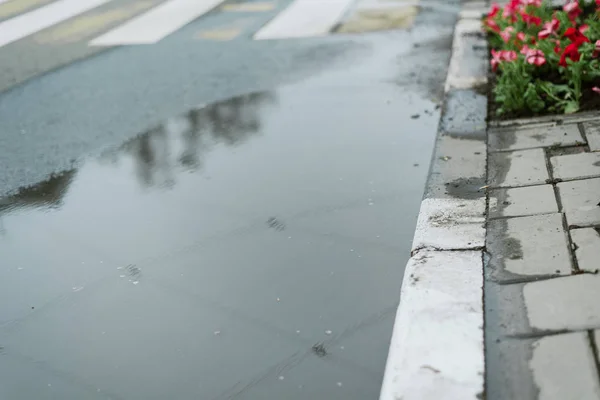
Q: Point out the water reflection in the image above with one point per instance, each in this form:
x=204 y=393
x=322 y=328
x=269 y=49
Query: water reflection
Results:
x=178 y=144
x=182 y=142
x=47 y=194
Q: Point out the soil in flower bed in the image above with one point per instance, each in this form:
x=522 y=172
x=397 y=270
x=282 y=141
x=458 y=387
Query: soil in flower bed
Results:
x=543 y=59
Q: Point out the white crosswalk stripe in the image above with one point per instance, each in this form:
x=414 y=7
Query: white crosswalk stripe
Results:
x=44 y=17
x=305 y=18
x=115 y=24
x=157 y=23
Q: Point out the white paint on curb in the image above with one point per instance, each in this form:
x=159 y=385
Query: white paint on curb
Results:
x=437 y=347
x=458 y=77
x=437 y=344
x=450 y=224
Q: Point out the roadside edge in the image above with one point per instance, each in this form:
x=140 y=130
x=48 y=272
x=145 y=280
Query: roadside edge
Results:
x=437 y=345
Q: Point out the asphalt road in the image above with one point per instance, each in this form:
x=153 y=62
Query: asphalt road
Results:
x=210 y=216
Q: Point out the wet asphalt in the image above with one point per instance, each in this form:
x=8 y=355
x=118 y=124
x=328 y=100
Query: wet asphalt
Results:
x=240 y=236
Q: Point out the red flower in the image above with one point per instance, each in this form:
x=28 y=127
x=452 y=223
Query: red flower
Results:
x=571 y=51
x=597 y=3
x=495 y=9
x=572 y=9
x=557 y=48
x=550 y=28
x=535 y=57
x=575 y=36
x=531 y=19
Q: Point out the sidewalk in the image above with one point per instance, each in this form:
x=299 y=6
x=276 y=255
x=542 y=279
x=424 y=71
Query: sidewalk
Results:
x=511 y=214
x=542 y=288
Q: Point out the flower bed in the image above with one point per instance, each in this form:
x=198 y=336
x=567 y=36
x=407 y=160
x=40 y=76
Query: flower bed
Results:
x=546 y=59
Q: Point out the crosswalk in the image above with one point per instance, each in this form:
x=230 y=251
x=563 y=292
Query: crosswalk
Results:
x=106 y=23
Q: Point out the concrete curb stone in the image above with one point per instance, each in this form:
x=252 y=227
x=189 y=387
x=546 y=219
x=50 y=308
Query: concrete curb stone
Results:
x=436 y=351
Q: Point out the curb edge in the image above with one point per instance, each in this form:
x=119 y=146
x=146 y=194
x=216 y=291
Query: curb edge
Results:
x=437 y=345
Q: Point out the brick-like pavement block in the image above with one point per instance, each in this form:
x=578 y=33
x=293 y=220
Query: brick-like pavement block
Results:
x=580 y=201
x=592 y=132
x=566 y=303
x=529 y=137
x=517 y=168
x=523 y=201
x=528 y=246
x=587 y=243
x=576 y=166
x=563 y=367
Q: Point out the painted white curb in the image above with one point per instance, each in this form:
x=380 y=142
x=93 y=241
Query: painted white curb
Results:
x=437 y=346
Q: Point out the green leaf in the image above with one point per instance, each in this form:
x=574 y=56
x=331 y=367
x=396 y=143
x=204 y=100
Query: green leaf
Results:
x=571 y=107
x=533 y=100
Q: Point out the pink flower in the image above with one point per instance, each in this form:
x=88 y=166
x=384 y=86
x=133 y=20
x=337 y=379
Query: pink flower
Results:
x=596 y=88
x=492 y=25
x=525 y=50
x=550 y=28
x=508 y=55
x=537 y=3
x=596 y=52
x=511 y=8
x=521 y=36
x=500 y=56
x=507 y=33
x=572 y=9
x=535 y=57
x=583 y=28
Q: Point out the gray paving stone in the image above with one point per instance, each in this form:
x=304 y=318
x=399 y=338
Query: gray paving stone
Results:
x=458 y=170
x=592 y=132
x=588 y=248
x=517 y=168
x=523 y=201
x=580 y=201
x=563 y=367
x=529 y=137
x=528 y=246
x=566 y=303
x=576 y=166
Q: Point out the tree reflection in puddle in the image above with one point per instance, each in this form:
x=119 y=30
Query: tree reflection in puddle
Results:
x=178 y=144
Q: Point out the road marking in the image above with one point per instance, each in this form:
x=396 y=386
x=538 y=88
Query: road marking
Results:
x=85 y=26
x=225 y=32
x=14 y=7
x=42 y=18
x=157 y=23
x=379 y=19
x=305 y=18
x=249 y=7
x=220 y=34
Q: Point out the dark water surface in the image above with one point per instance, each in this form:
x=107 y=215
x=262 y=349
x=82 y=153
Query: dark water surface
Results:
x=252 y=248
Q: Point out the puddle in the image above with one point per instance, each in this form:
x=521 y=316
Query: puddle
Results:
x=226 y=241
